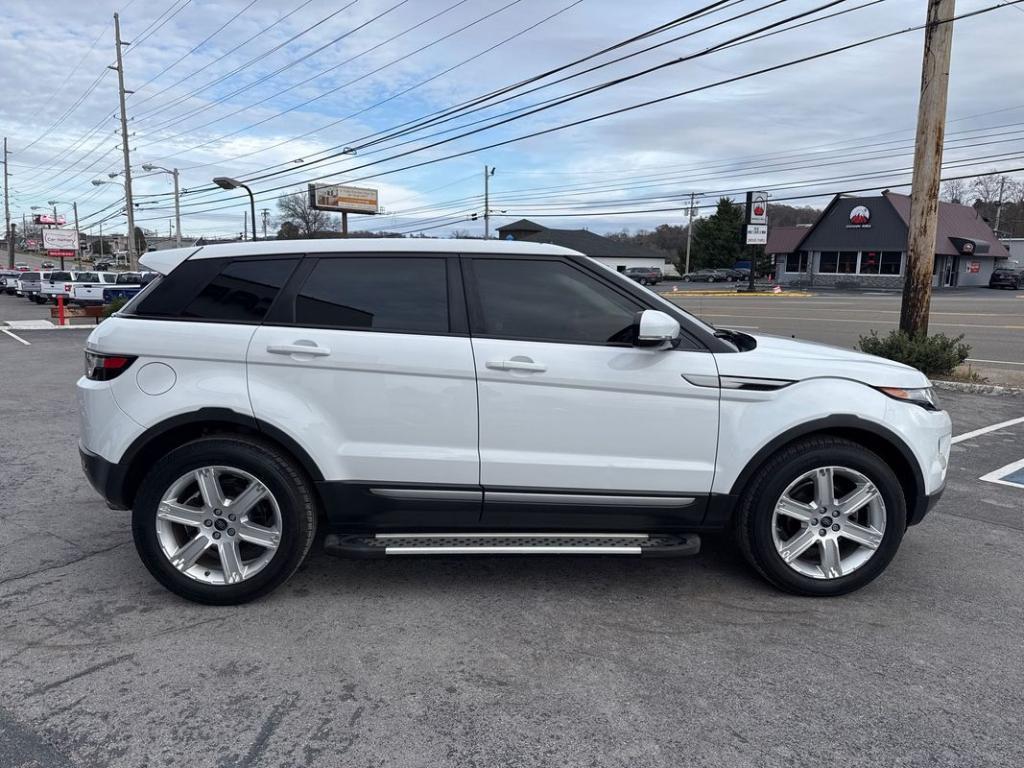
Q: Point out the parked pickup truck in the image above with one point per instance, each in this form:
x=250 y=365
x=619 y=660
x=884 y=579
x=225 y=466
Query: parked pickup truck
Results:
x=84 y=293
x=29 y=285
x=60 y=283
x=8 y=278
x=127 y=285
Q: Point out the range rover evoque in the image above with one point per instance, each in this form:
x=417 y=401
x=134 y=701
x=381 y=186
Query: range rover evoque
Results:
x=434 y=396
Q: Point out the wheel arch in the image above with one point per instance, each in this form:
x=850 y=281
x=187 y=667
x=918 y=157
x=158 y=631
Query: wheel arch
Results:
x=875 y=437
x=178 y=430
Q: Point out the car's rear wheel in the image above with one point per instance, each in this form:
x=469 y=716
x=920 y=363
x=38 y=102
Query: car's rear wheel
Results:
x=823 y=517
x=224 y=520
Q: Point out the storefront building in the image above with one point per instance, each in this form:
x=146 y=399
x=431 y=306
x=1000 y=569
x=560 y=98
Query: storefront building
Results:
x=861 y=242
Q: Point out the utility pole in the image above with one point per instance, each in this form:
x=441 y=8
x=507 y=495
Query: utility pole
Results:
x=265 y=213
x=999 y=204
x=488 y=172
x=924 y=196
x=177 y=210
x=133 y=262
x=78 y=236
x=8 y=234
x=689 y=231
x=245 y=223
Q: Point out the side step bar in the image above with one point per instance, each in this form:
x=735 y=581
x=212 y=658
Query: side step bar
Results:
x=384 y=544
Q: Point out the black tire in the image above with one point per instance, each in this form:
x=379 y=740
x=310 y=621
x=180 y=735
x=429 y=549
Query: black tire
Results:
x=687 y=279
x=276 y=471
x=753 y=521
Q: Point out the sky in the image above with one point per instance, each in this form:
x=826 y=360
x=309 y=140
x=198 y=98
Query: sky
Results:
x=271 y=91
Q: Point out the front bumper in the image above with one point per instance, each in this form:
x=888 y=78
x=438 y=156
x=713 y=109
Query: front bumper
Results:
x=105 y=476
x=924 y=505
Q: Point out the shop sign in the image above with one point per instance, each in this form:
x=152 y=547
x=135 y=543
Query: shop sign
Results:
x=860 y=217
x=974 y=266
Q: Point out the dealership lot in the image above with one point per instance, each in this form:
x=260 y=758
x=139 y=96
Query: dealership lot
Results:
x=497 y=661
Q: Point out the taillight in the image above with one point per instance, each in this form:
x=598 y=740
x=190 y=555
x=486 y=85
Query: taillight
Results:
x=105 y=367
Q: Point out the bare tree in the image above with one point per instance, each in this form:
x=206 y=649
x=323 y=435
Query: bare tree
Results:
x=297 y=210
x=986 y=188
x=955 y=191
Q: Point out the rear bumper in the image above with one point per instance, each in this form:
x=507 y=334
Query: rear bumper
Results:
x=105 y=476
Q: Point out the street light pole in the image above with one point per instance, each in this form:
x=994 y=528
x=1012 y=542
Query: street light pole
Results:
x=225 y=182
x=177 y=197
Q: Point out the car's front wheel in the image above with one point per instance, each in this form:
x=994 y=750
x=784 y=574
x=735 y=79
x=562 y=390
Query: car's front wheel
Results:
x=224 y=520
x=823 y=517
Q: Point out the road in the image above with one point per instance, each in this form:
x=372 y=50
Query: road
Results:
x=992 y=321
x=498 y=661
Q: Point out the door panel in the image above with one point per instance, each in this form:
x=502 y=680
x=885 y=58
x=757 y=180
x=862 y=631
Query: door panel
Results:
x=591 y=418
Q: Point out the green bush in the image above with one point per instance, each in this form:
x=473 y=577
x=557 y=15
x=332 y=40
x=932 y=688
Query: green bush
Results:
x=112 y=307
x=935 y=355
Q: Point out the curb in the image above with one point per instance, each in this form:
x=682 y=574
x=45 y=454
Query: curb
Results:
x=978 y=389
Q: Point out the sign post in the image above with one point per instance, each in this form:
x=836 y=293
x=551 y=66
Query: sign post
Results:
x=756 y=228
x=339 y=198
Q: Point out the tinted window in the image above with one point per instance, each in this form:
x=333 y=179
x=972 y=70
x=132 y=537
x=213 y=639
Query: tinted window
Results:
x=242 y=292
x=60 y=276
x=382 y=293
x=128 y=278
x=549 y=300
x=86 y=277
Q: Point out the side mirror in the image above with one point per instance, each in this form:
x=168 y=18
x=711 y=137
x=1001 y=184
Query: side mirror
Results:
x=655 y=327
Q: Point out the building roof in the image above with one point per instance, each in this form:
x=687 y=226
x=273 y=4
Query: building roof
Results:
x=955 y=221
x=784 y=239
x=582 y=240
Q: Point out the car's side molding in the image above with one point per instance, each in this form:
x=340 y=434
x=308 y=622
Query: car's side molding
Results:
x=836 y=424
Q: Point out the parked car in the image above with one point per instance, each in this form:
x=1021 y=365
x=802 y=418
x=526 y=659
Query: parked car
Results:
x=442 y=396
x=47 y=265
x=101 y=265
x=644 y=275
x=8 y=277
x=21 y=266
x=87 y=293
x=1006 y=278
x=59 y=283
x=30 y=284
x=705 y=276
x=738 y=274
x=126 y=285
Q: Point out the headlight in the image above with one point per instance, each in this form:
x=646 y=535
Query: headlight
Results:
x=925 y=397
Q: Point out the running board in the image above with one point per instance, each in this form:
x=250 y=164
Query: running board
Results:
x=383 y=544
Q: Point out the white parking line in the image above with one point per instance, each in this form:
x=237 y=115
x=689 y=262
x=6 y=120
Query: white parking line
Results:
x=998 y=475
x=16 y=338
x=986 y=430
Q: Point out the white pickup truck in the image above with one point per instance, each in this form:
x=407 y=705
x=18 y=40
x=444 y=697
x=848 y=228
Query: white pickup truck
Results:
x=60 y=283
x=86 y=292
x=29 y=284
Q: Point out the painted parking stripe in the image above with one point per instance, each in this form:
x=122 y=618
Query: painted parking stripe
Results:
x=16 y=338
x=1011 y=475
x=986 y=430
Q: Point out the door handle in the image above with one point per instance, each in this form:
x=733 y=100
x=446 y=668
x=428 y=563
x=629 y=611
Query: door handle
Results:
x=516 y=364
x=299 y=348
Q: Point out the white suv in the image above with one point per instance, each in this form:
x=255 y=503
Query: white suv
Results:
x=433 y=396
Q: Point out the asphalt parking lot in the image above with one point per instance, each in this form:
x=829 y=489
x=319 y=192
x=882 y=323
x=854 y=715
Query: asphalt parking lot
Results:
x=498 y=661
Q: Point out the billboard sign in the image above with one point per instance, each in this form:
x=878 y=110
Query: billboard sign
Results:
x=343 y=199
x=757 y=208
x=60 y=239
x=47 y=218
x=757 y=234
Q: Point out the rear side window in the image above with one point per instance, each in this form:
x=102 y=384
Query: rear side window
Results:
x=242 y=292
x=86 y=277
x=55 y=276
x=238 y=291
x=380 y=293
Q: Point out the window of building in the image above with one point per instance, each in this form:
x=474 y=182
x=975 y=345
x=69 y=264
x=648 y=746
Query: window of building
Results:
x=382 y=293
x=828 y=262
x=796 y=261
x=847 y=262
x=549 y=300
x=870 y=262
x=891 y=263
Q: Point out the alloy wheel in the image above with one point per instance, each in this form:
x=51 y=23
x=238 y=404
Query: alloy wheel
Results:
x=218 y=525
x=828 y=522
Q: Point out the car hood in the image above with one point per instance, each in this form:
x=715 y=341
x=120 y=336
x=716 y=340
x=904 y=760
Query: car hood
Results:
x=776 y=357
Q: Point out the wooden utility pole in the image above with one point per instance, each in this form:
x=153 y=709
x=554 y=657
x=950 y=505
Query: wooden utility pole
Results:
x=924 y=196
x=8 y=234
x=133 y=256
x=689 y=230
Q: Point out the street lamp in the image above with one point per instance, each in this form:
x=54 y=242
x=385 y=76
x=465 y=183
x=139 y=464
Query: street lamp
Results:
x=130 y=239
x=226 y=183
x=177 y=199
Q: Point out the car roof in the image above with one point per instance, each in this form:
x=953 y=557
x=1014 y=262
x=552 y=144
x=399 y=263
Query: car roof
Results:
x=165 y=261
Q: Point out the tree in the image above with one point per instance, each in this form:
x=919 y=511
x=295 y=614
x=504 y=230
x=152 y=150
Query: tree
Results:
x=296 y=209
x=987 y=188
x=288 y=231
x=717 y=240
x=954 y=191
